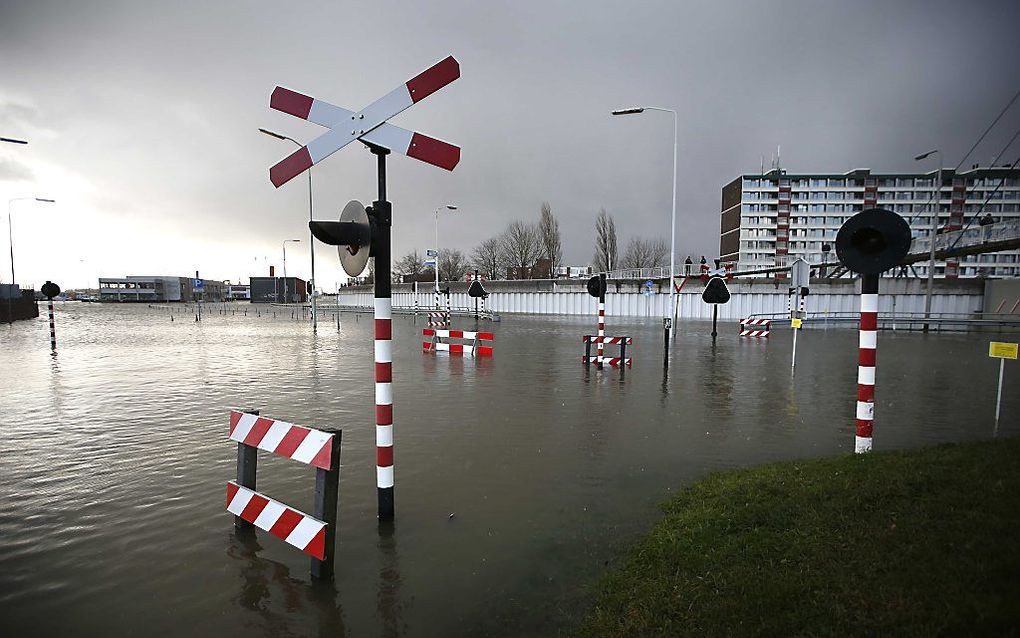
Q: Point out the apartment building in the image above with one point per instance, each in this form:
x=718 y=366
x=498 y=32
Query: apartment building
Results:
x=771 y=218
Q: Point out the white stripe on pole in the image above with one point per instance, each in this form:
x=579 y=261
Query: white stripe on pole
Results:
x=866 y=375
x=384 y=476
x=869 y=339
x=869 y=303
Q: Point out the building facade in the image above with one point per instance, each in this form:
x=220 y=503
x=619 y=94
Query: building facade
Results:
x=158 y=289
x=271 y=290
x=772 y=218
x=238 y=292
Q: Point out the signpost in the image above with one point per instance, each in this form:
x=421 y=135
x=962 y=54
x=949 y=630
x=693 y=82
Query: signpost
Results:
x=870 y=243
x=199 y=286
x=370 y=127
x=51 y=290
x=1000 y=350
x=800 y=278
x=716 y=292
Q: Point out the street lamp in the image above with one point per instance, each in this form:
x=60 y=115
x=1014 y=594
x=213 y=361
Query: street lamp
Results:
x=672 y=227
x=436 y=265
x=10 y=234
x=311 y=239
x=12 y=140
x=934 y=231
x=285 y=267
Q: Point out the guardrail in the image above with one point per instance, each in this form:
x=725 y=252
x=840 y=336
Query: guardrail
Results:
x=973 y=236
x=908 y=320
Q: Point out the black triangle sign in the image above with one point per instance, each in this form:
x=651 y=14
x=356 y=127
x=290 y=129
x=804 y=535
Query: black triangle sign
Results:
x=476 y=290
x=716 y=291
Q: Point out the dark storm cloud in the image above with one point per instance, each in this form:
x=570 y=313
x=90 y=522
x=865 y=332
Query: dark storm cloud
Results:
x=158 y=103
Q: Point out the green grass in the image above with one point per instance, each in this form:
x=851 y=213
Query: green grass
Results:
x=914 y=543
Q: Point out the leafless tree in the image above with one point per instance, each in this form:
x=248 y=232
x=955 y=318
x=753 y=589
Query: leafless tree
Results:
x=645 y=253
x=488 y=258
x=452 y=264
x=409 y=267
x=521 y=245
x=549 y=235
x=605 y=242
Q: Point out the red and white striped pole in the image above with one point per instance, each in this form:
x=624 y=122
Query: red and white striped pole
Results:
x=383 y=346
x=602 y=320
x=866 y=363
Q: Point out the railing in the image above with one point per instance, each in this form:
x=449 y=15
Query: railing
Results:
x=909 y=320
x=973 y=236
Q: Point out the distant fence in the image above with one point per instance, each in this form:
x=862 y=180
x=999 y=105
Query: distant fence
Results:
x=764 y=297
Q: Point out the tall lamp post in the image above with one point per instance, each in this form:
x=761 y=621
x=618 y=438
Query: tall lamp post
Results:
x=311 y=240
x=10 y=235
x=436 y=267
x=936 y=204
x=285 y=267
x=671 y=313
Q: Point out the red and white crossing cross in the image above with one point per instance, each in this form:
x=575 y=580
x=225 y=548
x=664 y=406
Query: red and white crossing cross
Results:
x=368 y=125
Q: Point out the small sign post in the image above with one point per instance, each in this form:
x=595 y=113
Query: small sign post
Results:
x=51 y=290
x=1001 y=350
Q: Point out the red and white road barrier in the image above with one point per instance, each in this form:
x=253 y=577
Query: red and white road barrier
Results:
x=613 y=340
x=289 y=525
x=435 y=343
x=613 y=362
x=438 y=319
x=755 y=327
x=866 y=363
x=368 y=125
x=599 y=341
x=384 y=405
x=313 y=447
x=314 y=535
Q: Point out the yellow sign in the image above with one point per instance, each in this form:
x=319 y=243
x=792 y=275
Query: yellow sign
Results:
x=796 y=323
x=1002 y=350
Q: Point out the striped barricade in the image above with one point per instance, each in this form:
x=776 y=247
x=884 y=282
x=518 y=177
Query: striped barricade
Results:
x=476 y=347
x=600 y=341
x=314 y=535
x=438 y=319
x=755 y=327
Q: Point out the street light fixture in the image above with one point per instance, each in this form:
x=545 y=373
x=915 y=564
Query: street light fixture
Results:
x=311 y=239
x=10 y=234
x=285 y=267
x=936 y=202
x=435 y=266
x=12 y=140
x=671 y=313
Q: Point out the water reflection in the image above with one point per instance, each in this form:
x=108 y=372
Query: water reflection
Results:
x=389 y=606
x=298 y=603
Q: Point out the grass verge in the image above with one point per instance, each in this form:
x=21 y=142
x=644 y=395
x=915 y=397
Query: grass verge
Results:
x=917 y=543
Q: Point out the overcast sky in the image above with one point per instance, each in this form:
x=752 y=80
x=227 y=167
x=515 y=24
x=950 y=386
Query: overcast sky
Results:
x=143 y=117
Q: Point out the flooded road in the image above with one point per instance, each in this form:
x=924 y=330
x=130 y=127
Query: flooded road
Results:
x=518 y=478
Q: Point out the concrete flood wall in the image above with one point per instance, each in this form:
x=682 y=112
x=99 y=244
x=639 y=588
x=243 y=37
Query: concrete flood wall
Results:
x=625 y=299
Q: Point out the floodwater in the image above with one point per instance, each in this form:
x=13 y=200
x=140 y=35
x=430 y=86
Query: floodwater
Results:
x=519 y=479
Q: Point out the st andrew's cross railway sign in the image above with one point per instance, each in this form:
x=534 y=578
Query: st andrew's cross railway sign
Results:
x=368 y=125
x=360 y=228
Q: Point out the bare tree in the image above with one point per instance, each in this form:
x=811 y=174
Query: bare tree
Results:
x=605 y=242
x=549 y=235
x=452 y=264
x=488 y=258
x=409 y=267
x=521 y=245
x=645 y=253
